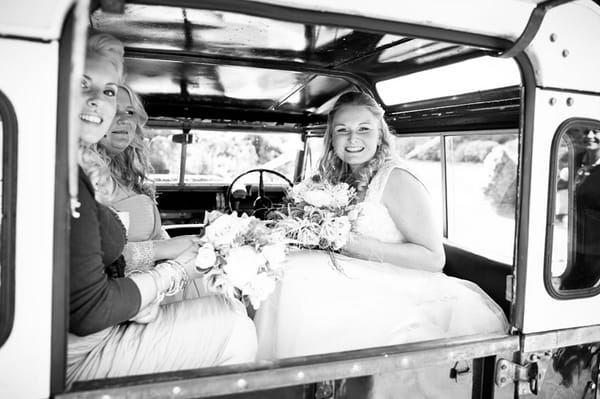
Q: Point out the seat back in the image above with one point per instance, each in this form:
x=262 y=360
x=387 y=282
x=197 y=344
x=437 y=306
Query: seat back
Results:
x=488 y=274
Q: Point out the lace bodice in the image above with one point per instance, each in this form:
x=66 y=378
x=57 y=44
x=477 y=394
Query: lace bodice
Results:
x=374 y=218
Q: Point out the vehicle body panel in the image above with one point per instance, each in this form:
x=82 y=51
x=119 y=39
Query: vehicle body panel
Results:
x=37 y=20
x=539 y=306
x=35 y=106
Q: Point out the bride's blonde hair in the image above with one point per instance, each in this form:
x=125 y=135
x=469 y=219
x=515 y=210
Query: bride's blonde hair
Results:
x=108 y=49
x=332 y=168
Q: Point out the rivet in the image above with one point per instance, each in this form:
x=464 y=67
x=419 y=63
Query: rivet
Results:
x=386 y=355
x=176 y=390
x=502 y=380
x=404 y=362
x=503 y=366
x=553 y=37
x=552 y=101
x=105 y=396
x=242 y=383
x=355 y=368
x=300 y=375
x=570 y=101
x=565 y=53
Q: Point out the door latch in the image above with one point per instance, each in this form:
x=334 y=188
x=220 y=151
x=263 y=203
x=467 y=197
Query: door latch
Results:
x=460 y=371
x=528 y=376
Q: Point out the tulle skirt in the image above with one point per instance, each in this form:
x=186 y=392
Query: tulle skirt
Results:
x=317 y=308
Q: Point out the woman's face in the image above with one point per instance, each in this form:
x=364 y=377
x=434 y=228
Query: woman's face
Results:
x=99 y=91
x=356 y=135
x=592 y=140
x=122 y=131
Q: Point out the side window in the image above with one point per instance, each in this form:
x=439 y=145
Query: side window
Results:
x=481 y=181
x=573 y=266
x=423 y=156
x=477 y=199
x=8 y=185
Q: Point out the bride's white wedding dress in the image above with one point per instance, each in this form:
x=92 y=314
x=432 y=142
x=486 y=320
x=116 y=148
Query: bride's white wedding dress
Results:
x=318 y=309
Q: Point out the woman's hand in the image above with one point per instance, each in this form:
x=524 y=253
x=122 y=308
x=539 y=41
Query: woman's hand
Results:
x=359 y=246
x=173 y=247
x=187 y=259
x=147 y=314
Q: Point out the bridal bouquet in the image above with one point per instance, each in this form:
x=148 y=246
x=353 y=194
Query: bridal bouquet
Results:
x=318 y=214
x=241 y=258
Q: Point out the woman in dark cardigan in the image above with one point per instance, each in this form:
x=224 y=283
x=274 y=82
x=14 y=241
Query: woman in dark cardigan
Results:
x=116 y=325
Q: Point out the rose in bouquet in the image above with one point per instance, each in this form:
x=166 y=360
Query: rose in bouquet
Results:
x=318 y=214
x=241 y=258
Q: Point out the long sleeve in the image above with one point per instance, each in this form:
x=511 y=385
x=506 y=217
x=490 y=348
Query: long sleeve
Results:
x=96 y=300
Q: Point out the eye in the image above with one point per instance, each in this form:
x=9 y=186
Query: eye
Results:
x=110 y=92
x=130 y=112
x=364 y=129
x=341 y=130
x=84 y=84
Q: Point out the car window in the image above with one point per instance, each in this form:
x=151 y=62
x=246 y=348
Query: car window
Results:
x=218 y=157
x=481 y=176
x=573 y=267
x=480 y=173
x=462 y=77
x=422 y=155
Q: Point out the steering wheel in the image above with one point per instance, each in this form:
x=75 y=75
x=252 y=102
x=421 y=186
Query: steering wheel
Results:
x=262 y=203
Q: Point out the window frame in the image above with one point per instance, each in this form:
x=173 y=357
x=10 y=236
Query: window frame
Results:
x=9 y=208
x=552 y=194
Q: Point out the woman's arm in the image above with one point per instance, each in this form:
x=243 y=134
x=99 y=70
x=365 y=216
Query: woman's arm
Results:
x=410 y=207
x=96 y=301
x=142 y=255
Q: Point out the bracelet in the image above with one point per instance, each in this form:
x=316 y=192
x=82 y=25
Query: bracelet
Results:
x=160 y=294
x=174 y=273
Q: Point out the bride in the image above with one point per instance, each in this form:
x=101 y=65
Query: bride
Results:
x=391 y=289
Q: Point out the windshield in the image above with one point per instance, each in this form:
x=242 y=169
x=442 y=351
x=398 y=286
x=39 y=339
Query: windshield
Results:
x=219 y=156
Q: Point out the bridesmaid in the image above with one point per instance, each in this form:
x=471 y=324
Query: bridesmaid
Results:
x=116 y=326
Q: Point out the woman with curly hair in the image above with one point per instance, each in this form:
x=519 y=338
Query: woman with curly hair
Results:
x=133 y=194
x=116 y=326
x=388 y=287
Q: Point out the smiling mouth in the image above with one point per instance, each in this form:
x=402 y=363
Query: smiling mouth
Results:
x=354 y=149
x=90 y=118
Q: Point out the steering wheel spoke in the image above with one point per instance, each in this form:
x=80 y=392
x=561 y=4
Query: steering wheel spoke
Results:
x=262 y=204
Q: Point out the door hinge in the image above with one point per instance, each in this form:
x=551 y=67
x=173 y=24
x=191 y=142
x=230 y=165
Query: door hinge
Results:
x=528 y=376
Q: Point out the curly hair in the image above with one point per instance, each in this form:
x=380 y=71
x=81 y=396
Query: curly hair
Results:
x=131 y=167
x=108 y=48
x=332 y=168
x=95 y=165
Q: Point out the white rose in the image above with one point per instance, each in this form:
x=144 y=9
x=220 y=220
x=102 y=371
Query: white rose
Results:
x=274 y=254
x=318 y=198
x=242 y=265
x=259 y=289
x=223 y=231
x=206 y=257
x=340 y=198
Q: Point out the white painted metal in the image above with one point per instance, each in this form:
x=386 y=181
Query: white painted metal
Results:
x=31 y=86
x=571 y=59
x=541 y=311
x=499 y=18
x=33 y=18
